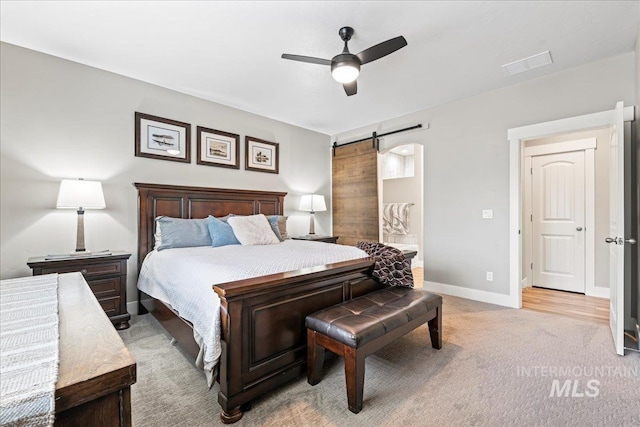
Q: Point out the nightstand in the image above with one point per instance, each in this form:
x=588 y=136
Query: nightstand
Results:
x=327 y=239
x=105 y=274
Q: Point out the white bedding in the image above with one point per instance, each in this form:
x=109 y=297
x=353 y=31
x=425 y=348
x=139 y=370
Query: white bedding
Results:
x=183 y=278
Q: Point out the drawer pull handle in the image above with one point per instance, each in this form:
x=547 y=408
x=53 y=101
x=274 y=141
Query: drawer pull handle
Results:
x=83 y=271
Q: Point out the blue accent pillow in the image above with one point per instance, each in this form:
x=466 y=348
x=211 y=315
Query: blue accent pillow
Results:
x=273 y=222
x=181 y=233
x=220 y=233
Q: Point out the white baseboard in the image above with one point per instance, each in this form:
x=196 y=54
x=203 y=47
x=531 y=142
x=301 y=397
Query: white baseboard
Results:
x=598 y=292
x=525 y=283
x=468 y=293
x=132 y=307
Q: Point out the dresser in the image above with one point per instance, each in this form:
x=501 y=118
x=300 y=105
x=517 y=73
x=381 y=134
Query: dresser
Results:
x=105 y=274
x=96 y=370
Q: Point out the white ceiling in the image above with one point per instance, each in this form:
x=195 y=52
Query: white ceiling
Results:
x=229 y=52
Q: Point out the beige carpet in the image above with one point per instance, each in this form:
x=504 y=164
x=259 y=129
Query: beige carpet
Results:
x=496 y=367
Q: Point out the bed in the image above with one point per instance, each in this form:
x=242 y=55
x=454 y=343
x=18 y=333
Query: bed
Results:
x=263 y=339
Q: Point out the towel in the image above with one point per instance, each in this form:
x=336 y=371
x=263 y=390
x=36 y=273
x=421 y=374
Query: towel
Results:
x=391 y=266
x=395 y=218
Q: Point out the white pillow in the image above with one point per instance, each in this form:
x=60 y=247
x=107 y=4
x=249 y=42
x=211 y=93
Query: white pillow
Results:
x=253 y=230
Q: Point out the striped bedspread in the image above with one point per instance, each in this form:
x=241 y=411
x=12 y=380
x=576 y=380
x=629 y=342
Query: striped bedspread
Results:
x=29 y=354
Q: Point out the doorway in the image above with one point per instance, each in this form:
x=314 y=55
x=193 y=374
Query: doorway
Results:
x=558 y=218
x=621 y=199
x=565 y=212
x=517 y=223
x=401 y=188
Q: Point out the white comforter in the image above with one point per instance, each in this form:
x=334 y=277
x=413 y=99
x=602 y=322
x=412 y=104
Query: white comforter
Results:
x=183 y=278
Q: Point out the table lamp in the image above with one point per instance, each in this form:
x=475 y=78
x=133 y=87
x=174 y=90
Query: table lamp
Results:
x=80 y=194
x=312 y=203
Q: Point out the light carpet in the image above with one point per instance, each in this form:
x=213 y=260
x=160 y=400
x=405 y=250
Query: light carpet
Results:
x=497 y=366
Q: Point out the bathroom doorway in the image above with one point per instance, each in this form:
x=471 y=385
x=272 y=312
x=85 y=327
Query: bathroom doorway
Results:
x=402 y=219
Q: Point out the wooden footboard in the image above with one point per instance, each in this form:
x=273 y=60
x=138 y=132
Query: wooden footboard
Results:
x=263 y=333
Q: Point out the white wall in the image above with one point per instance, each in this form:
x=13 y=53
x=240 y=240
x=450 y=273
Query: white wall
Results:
x=466 y=166
x=638 y=65
x=61 y=119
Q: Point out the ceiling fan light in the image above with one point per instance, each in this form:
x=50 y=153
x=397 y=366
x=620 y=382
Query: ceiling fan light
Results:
x=345 y=73
x=345 y=70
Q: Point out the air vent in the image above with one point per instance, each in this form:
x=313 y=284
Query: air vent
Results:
x=526 y=64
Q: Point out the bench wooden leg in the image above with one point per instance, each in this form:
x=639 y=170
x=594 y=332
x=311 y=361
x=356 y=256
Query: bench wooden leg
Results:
x=315 y=358
x=435 y=330
x=354 y=374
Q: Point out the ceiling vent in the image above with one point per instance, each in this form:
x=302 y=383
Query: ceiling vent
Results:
x=526 y=64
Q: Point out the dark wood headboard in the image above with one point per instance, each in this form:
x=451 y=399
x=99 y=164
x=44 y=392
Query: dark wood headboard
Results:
x=177 y=201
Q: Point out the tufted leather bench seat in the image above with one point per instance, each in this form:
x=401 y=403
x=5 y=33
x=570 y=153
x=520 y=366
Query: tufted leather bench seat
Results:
x=356 y=328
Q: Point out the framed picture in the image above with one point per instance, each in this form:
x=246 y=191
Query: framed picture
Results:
x=160 y=138
x=218 y=148
x=261 y=156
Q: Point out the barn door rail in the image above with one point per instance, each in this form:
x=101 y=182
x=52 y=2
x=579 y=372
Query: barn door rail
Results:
x=374 y=138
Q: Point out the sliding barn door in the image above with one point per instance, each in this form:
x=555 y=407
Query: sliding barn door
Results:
x=355 y=193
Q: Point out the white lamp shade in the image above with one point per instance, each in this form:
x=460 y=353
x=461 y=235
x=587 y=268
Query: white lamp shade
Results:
x=312 y=203
x=78 y=193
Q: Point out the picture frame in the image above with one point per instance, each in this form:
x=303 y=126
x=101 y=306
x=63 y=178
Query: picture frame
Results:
x=261 y=155
x=218 y=148
x=161 y=138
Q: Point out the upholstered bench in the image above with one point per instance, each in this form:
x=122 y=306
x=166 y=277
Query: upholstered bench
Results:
x=361 y=326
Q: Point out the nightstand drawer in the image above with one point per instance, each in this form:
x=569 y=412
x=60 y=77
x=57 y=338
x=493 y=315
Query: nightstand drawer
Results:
x=87 y=270
x=105 y=287
x=110 y=305
x=106 y=275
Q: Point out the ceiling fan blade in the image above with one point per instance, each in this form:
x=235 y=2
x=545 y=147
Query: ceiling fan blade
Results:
x=309 y=59
x=351 y=88
x=381 y=49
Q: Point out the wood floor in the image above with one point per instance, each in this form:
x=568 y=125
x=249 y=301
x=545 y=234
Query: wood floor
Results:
x=561 y=303
x=566 y=304
x=418 y=277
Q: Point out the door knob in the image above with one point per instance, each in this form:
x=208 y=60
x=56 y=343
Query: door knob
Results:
x=579 y=228
x=631 y=241
x=610 y=240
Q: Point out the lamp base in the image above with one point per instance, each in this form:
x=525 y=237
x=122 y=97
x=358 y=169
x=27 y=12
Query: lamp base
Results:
x=312 y=224
x=80 y=232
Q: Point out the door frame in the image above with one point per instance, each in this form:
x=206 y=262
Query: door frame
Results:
x=516 y=137
x=588 y=146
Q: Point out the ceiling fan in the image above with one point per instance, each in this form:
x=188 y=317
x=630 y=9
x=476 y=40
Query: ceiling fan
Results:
x=345 y=66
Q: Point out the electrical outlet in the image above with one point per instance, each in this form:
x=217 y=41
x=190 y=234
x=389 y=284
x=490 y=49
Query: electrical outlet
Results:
x=490 y=276
x=487 y=214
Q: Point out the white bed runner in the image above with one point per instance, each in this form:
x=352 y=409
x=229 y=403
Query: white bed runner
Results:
x=29 y=354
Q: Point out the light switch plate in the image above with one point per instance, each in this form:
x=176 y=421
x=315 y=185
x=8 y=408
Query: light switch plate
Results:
x=487 y=214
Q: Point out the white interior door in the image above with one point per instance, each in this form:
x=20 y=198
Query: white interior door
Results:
x=616 y=231
x=558 y=206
